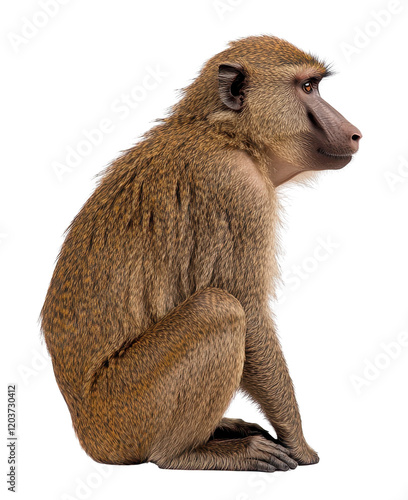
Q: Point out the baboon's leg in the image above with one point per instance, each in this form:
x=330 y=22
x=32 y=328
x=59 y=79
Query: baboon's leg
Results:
x=162 y=399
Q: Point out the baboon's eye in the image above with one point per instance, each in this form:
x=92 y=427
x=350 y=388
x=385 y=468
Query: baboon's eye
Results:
x=307 y=87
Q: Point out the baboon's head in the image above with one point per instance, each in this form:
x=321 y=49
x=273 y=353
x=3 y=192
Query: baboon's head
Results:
x=266 y=91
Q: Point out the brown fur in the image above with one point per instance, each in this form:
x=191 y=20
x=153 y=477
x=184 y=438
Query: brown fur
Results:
x=157 y=311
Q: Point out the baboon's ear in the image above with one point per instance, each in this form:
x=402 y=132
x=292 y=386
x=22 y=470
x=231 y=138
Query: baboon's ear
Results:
x=231 y=85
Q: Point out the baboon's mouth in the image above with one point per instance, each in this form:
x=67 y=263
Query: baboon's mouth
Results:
x=343 y=156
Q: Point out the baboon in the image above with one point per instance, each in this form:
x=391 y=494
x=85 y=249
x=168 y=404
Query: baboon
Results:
x=158 y=308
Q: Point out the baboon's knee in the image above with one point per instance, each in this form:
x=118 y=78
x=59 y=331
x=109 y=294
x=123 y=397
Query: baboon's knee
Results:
x=220 y=308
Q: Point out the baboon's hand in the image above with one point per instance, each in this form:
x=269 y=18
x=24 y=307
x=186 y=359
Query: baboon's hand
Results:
x=269 y=456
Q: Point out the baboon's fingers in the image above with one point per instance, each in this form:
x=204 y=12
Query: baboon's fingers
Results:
x=253 y=464
x=272 y=453
x=283 y=449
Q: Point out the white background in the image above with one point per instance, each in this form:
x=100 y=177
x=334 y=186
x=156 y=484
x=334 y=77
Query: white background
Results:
x=335 y=321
